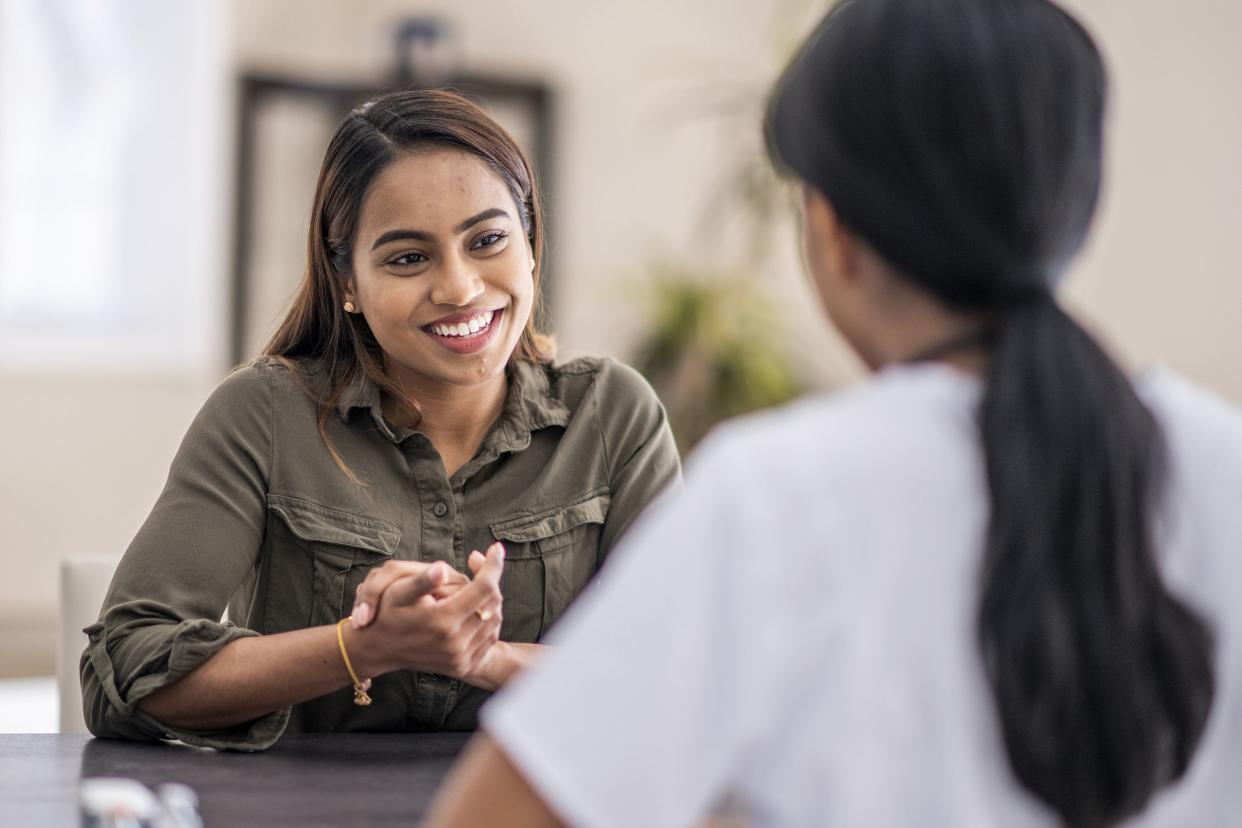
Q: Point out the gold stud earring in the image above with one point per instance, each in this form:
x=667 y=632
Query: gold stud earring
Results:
x=349 y=307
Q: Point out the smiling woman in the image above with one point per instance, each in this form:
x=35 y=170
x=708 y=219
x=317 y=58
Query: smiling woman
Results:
x=483 y=292
x=406 y=415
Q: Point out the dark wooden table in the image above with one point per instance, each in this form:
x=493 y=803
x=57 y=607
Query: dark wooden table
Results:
x=330 y=779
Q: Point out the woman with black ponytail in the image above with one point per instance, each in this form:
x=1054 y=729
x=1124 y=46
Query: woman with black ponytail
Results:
x=998 y=585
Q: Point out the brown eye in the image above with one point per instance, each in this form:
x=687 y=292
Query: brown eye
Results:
x=489 y=240
x=408 y=259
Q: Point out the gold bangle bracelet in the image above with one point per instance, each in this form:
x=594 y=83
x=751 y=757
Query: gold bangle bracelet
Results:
x=360 y=689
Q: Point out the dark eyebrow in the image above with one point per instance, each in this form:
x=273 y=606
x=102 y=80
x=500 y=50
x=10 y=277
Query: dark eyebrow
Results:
x=494 y=212
x=423 y=236
x=394 y=235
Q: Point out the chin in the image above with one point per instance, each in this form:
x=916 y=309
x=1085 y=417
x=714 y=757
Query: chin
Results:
x=471 y=370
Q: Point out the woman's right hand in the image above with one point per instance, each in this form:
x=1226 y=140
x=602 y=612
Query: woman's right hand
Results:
x=433 y=620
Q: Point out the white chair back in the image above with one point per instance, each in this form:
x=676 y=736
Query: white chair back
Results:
x=83 y=584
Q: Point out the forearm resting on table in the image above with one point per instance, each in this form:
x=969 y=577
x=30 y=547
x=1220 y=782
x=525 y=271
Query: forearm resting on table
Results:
x=251 y=677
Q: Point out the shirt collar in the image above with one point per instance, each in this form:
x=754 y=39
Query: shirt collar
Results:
x=530 y=405
x=361 y=393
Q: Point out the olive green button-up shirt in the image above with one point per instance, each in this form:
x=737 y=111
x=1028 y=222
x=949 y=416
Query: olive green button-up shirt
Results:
x=257 y=516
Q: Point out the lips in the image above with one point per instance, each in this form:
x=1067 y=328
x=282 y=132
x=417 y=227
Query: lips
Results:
x=462 y=324
x=465 y=333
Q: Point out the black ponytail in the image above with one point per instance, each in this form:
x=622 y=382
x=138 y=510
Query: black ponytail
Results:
x=1102 y=679
x=962 y=139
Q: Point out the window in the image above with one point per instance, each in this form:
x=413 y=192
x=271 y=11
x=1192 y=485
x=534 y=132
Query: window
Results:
x=112 y=183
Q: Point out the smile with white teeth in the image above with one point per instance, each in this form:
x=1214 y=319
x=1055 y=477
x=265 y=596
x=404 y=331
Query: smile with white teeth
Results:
x=466 y=328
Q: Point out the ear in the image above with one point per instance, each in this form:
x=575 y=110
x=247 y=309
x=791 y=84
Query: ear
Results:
x=830 y=243
x=349 y=294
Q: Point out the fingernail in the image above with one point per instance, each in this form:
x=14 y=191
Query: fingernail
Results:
x=361 y=615
x=500 y=549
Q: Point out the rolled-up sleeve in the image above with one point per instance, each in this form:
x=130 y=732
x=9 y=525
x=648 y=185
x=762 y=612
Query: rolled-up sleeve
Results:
x=161 y=617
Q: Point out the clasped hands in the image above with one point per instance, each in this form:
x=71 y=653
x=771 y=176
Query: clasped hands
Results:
x=432 y=618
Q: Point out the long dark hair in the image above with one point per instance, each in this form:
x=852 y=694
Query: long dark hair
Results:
x=962 y=140
x=370 y=138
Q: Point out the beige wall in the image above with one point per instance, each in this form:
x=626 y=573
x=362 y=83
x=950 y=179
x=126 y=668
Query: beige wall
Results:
x=83 y=457
x=1162 y=276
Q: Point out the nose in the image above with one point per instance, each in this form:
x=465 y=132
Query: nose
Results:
x=456 y=282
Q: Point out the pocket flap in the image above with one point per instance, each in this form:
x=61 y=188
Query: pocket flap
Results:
x=319 y=524
x=591 y=508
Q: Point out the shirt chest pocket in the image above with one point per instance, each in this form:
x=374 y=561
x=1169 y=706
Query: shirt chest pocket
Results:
x=550 y=557
x=328 y=554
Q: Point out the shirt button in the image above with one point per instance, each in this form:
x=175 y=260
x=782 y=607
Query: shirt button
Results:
x=439 y=509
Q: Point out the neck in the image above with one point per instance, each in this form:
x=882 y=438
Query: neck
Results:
x=455 y=418
x=916 y=327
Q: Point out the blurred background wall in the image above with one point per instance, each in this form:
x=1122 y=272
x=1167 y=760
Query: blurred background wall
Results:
x=116 y=232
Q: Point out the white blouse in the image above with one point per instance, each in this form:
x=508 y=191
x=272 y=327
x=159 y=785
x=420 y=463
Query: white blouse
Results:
x=796 y=630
